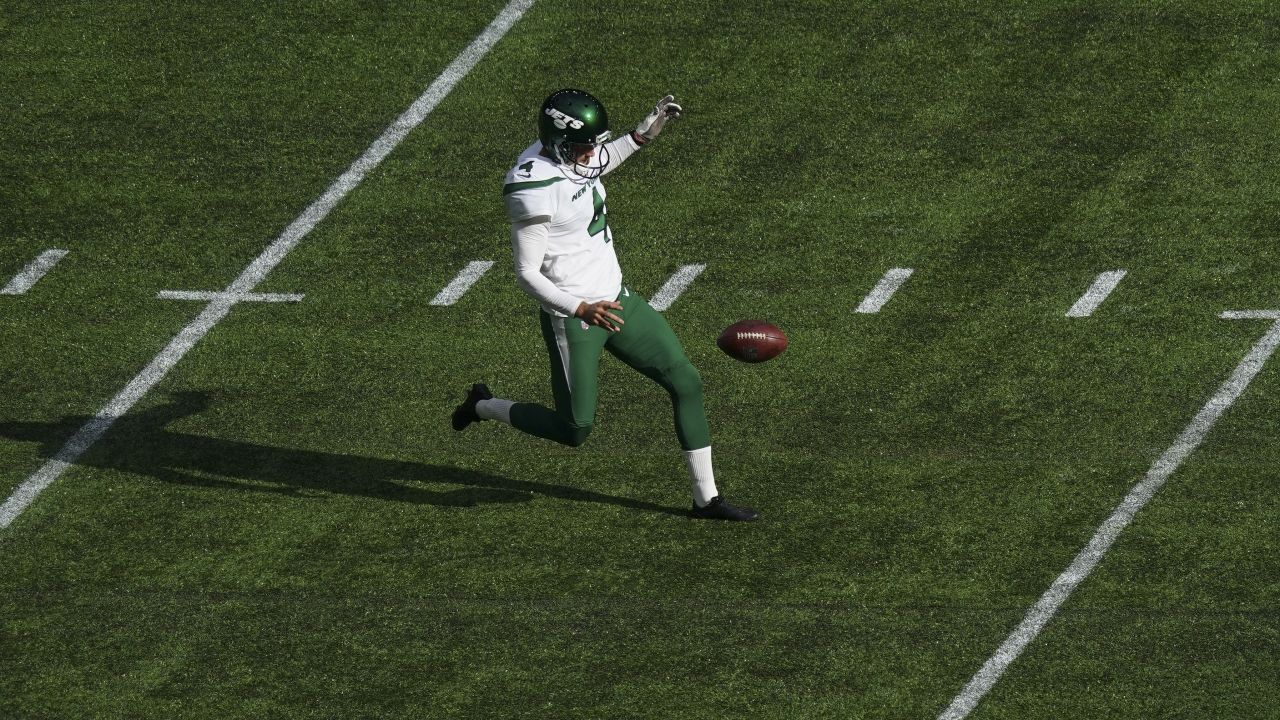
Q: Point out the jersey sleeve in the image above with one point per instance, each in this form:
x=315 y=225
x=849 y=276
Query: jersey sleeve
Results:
x=529 y=243
x=527 y=200
x=619 y=150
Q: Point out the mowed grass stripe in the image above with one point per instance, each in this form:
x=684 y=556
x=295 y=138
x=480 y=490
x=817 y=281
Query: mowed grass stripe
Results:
x=261 y=266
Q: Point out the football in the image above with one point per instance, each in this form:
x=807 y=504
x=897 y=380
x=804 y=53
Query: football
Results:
x=752 y=341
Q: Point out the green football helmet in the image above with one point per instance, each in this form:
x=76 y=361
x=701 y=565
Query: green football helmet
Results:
x=570 y=122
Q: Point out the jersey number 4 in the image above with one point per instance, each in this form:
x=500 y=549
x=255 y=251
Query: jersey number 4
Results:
x=600 y=220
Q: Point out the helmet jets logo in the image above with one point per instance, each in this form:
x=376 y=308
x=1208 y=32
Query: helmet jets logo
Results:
x=569 y=120
x=562 y=120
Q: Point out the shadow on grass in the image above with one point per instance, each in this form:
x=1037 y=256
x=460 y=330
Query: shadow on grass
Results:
x=140 y=443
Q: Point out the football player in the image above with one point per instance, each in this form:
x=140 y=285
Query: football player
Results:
x=564 y=258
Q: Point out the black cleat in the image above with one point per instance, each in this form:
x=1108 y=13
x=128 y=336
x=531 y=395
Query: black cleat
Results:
x=718 y=509
x=465 y=414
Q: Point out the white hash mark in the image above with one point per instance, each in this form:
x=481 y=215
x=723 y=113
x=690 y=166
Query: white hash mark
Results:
x=43 y=263
x=880 y=294
x=1097 y=292
x=454 y=291
x=679 y=281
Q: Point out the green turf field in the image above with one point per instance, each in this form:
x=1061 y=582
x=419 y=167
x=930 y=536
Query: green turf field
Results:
x=285 y=526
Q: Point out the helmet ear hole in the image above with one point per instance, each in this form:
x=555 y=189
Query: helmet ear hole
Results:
x=560 y=151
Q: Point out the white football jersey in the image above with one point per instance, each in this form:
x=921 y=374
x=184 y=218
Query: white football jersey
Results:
x=579 y=257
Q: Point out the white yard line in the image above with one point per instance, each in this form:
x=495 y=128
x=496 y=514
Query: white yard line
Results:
x=1251 y=315
x=880 y=294
x=1080 y=568
x=454 y=291
x=242 y=297
x=679 y=281
x=43 y=263
x=263 y=264
x=1097 y=292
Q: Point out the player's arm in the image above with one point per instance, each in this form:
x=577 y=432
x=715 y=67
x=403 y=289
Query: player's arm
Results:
x=648 y=129
x=529 y=245
x=530 y=207
x=616 y=150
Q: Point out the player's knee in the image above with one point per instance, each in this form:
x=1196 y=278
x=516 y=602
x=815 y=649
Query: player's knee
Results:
x=684 y=381
x=577 y=434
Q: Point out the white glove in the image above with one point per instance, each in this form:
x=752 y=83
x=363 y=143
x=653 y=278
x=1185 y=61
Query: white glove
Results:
x=651 y=125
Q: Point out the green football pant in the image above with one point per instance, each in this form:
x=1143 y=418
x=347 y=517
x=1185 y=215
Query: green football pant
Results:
x=645 y=343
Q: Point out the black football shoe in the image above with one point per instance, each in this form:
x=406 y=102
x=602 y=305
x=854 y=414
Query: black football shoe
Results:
x=465 y=414
x=718 y=509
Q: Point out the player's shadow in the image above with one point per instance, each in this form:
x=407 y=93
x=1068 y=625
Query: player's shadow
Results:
x=141 y=443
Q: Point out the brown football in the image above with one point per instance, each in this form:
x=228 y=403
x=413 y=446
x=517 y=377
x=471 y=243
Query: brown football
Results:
x=752 y=341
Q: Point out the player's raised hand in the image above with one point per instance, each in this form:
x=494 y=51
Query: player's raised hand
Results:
x=597 y=313
x=652 y=124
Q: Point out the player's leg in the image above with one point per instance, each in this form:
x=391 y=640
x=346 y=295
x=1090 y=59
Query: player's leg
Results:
x=574 y=353
x=648 y=345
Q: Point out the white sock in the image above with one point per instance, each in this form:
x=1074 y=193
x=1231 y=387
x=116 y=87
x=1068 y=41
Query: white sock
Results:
x=702 y=475
x=495 y=409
